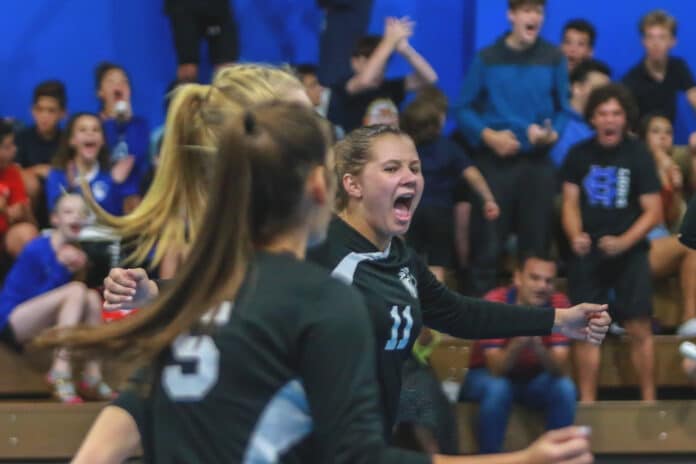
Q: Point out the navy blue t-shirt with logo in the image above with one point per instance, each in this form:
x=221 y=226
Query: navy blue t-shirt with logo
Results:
x=611 y=181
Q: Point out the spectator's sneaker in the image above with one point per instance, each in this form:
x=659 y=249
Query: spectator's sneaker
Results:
x=616 y=329
x=63 y=388
x=688 y=350
x=687 y=329
x=93 y=389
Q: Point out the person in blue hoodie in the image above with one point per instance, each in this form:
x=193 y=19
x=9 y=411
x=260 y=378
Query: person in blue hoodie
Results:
x=513 y=101
x=587 y=76
x=39 y=293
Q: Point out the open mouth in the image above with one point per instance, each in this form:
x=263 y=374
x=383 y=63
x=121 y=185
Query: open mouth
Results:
x=75 y=228
x=402 y=207
x=531 y=27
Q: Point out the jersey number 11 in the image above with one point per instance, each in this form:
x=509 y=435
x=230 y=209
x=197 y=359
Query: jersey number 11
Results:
x=400 y=341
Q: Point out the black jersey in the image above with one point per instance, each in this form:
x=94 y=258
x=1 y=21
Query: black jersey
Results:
x=402 y=295
x=287 y=375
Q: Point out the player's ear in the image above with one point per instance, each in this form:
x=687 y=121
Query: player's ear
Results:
x=352 y=186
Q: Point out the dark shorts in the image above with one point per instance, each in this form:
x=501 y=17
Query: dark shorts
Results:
x=8 y=338
x=189 y=27
x=623 y=281
x=432 y=235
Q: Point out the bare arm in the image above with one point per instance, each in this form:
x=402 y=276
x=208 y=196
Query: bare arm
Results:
x=474 y=178
x=570 y=212
x=113 y=438
x=652 y=215
x=423 y=73
x=569 y=445
x=373 y=72
x=691 y=97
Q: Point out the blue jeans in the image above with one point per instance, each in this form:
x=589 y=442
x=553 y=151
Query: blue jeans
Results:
x=554 y=395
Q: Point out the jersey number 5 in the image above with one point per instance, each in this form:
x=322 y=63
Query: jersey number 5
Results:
x=400 y=341
x=199 y=351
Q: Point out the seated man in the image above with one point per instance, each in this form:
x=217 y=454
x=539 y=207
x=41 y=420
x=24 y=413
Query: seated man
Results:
x=528 y=370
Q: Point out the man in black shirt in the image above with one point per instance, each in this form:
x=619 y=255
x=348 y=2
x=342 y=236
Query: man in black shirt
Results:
x=351 y=96
x=610 y=201
x=659 y=77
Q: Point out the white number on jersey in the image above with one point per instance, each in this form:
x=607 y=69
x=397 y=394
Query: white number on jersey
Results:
x=199 y=350
x=400 y=341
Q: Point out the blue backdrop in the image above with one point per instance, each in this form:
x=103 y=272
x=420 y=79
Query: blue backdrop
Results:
x=65 y=39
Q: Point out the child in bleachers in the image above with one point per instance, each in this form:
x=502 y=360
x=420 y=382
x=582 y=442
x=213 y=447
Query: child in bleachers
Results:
x=83 y=152
x=318 y=94
x=38 y=294
x=442 y=163
x=667 y=255
x=127 y=135
x=578 y=41
x=37 y=144
x=351 y=97
x=17 y=223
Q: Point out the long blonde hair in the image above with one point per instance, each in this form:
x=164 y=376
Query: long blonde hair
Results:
x=171 y=212
x=270 y=150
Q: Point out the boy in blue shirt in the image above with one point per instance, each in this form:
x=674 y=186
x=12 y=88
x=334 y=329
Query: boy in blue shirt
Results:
x=587 y=76
x=513 y=101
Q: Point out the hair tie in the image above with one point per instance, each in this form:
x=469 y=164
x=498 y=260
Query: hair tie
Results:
x=249 y=123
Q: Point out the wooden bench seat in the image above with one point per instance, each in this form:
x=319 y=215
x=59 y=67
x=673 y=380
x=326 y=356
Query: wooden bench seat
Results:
x=451 y=361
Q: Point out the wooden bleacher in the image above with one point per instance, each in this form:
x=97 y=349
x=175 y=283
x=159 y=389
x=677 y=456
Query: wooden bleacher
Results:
x=42 y=430
x=451 y=361
x=618 y=427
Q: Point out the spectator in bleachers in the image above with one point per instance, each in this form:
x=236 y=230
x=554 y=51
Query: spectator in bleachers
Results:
x=513 y=100
x=37 y=144
x=127 y=135
x=83 y=154
x=587 y=76
x=351 y=97
x=38 y=294
x=17 y=223
x=318 y=94
x=667 y=255
x=578 y=41
x=532 y=371
x=659 y=77
x=611 y=201
x=442 y=163
x=382 y=111
x=193 y=20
